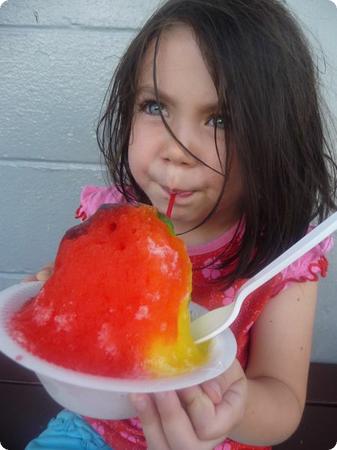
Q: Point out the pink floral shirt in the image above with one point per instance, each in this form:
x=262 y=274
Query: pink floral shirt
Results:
x=127 y=434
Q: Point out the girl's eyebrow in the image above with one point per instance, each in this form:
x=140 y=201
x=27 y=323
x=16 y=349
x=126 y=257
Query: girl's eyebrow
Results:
x=148 y=89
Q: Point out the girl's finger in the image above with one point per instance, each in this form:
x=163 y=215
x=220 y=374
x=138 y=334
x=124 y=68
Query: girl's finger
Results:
x=151 y=423
x=227 y=414
x=215 y=406
x=214 y=390
x=44 y=274
x=216 y=387
x=231 y=410
x=189 y=395
x=201 y=411
x=177 y=425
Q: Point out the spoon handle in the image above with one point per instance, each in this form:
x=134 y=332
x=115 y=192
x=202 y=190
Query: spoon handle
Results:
x=206 y=329
x=310 y=240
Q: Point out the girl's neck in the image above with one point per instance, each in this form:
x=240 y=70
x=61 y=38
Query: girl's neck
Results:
x=207 y=232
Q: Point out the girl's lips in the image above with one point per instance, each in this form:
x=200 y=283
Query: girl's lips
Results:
x=183 y=194
x=178 y=192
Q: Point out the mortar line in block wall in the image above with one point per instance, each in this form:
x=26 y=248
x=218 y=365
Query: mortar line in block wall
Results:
x=50 y=165
x=14 y=275
x=74 y=27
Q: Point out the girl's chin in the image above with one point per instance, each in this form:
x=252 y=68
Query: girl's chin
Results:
x=182 y=223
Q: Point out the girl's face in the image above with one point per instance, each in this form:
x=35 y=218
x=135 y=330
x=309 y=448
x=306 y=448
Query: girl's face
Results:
x=189 y=103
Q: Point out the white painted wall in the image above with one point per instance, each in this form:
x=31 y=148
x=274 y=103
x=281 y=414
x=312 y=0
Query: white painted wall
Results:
x=56 y=60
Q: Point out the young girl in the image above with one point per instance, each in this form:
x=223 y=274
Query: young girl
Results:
x=216 y=101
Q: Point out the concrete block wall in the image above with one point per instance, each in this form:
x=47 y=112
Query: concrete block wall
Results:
x=56 y=61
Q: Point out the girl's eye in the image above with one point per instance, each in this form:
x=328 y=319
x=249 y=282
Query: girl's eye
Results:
x=152 y=107
x=217 y=121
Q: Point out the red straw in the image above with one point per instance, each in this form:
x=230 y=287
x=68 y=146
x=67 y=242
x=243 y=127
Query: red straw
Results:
x=170 y=205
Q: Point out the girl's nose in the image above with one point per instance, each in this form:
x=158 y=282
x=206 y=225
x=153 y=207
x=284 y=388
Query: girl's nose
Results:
x=179 y=149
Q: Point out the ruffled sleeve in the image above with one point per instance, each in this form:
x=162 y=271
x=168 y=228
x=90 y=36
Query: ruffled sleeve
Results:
x=309 y=267
x=92 y=197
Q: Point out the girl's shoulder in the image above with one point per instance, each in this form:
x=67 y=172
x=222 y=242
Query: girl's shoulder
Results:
x=206 y=261
x=92 y=197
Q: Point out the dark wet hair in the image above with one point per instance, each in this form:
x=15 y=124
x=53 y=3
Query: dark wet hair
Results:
x=268 y=90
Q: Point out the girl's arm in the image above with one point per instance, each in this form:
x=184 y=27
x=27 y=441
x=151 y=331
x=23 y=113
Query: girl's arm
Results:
x=262 y=407
x=278 y=367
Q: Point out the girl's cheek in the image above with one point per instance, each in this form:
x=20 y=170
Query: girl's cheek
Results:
x=134 y=129
x=136 y=164
x=132 y=162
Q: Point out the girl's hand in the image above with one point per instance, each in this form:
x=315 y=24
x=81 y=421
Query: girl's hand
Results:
x=43 y=274
x=199 y=417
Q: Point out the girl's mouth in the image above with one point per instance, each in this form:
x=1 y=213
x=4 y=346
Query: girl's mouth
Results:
x=178 y=192
x=183 y=194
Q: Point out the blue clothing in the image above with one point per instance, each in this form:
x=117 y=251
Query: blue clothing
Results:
x=68 y=431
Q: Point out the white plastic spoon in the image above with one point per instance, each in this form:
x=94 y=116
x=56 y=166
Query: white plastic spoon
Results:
x=214 y=322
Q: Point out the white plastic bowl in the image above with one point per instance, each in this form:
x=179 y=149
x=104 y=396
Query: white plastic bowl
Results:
x=97 y=396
